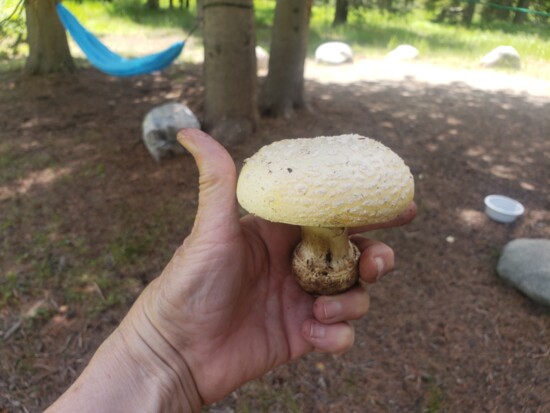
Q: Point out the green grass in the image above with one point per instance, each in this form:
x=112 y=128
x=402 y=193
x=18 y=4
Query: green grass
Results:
x=69 y=265
x=127 y=17
x=15 y=167
x=435 y=398
x=262 y=397
x=9 y=285
x=371 y=33
x=11 y=40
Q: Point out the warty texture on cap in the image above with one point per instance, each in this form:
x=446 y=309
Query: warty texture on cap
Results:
x=329 y=181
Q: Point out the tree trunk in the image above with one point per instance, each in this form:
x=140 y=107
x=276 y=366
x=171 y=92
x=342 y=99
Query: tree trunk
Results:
x=520 y=17
x=48 y=46
x=468 y=15
x=385 y=5
x=490 y=13
x=200 y=9
x=230 y=105
x=283 y=90
x=340 y=12
x=153 y=4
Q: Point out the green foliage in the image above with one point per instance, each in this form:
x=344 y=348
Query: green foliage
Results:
x=508 y=11
x=12 y=28
x=164 y=17
x=452 y=10
x=373 y=33
x=535 y=12
x=374 y=27
x=129 y=17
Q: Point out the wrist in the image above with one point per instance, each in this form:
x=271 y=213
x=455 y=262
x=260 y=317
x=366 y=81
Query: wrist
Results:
x=134 y=370
x=161 y=365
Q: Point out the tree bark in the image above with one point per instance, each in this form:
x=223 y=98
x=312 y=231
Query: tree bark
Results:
x=340 y=12
x=520 y=17
x=153 y=4
x=468 y=15
x=48 y=46
x=489 y=13
x=230 y=105
x=200 y=9
x=283 y=90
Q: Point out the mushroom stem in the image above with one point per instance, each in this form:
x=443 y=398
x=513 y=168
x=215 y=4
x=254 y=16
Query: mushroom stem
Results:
x=325 y=262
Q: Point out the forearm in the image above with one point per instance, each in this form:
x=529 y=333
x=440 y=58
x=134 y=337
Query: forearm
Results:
x=132 y=373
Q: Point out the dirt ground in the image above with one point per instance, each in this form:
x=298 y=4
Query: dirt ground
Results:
x=87 y=218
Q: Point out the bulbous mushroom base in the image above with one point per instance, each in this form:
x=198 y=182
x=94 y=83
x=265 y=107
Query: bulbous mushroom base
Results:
x=325 y=262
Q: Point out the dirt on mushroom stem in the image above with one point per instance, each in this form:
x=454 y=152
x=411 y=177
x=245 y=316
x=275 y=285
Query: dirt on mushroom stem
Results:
x=326 y=261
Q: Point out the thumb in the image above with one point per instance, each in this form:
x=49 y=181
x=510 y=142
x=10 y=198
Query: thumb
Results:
x=217 y=214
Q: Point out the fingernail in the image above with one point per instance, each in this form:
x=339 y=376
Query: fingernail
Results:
x=332 y=309
x=317 y=330
x=379 y=266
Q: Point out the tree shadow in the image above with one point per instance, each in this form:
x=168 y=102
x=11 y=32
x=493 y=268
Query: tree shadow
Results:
x=79 y=187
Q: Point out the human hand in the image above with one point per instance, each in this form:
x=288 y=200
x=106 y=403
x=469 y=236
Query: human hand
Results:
x=227 y=309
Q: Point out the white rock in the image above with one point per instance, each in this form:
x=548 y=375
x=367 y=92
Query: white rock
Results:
x=334 y=53
x=262 y=58
x=525 y=263
x=403 y=52
x=161 y=125
x=502 y=56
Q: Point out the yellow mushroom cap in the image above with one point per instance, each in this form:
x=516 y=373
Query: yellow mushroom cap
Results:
x=328 y=181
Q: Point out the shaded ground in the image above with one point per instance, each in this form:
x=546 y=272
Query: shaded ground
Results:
x=87 y=218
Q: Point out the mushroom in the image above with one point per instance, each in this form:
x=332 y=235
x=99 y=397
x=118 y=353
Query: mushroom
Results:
x=325 y=185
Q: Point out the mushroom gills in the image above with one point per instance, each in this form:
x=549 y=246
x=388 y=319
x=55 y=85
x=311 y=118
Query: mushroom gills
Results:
x=326 y=261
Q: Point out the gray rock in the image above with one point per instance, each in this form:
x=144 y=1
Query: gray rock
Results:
x=503 y=56
x=403 y=52
x=525 y=263
x=334 y=53
x=161 y=125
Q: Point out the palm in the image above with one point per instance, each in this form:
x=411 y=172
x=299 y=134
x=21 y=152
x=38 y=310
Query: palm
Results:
x=228 y=302
x=245 y=326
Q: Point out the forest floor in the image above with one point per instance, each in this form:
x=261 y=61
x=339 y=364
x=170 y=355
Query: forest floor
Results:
x=87 y=219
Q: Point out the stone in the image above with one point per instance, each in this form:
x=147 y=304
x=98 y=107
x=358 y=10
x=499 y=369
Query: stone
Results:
x=502 y=56
x=160 y=128
x=334 y=53
x=525 y=263
x=403 y=52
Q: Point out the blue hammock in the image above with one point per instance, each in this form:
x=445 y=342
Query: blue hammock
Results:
x=109 y=62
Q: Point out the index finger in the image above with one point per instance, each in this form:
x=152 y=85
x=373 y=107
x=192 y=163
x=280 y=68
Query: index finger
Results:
x=404 y=218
